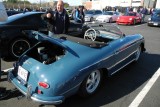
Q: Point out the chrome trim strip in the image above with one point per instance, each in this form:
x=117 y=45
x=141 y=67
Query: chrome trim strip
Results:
x=46 y=102
x=121 y=60
x=130 y=44
x=136 y=41
x=96 y=62
x=122 y=67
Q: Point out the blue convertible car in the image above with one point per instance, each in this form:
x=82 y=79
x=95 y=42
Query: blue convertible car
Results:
x=60 y=66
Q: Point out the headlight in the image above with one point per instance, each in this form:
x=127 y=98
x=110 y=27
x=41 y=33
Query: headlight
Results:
x=130 y=18
x=149 y=19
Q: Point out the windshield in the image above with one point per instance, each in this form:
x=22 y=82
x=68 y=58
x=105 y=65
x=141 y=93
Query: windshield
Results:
x=12 y=18
x=108 y=13
x=110 y=31
x=89 y=12
x=130 y=14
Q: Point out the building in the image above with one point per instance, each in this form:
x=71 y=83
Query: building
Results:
x=100 y=4
x=158 y=4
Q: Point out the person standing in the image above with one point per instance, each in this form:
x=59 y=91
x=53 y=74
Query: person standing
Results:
x=57 y=21
x=79 y=15
x=144 y=12
x=3 y=14
x=3 y=17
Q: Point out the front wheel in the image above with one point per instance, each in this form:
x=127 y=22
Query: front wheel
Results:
x=18 y=47
x=138 y=53
x=91 y=83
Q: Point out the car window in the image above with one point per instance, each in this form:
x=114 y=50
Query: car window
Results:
x=116 y=13
x=157 y=14
x=130 y=14
x=98 y=12
x=108 y=13
x=23 y=20
x=89 y=12
x=36 y=20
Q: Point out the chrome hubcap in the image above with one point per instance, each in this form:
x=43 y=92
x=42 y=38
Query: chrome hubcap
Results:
x=93 y=81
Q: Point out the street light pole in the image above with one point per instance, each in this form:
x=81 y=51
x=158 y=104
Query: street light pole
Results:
x=40 y=3
x=24 y=3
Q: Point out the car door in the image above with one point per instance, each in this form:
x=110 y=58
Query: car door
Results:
x=122 y=52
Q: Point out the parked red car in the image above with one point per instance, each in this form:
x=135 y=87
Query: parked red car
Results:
x=130 y=18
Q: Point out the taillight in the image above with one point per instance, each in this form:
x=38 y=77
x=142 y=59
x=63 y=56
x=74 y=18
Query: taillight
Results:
x=43 y=84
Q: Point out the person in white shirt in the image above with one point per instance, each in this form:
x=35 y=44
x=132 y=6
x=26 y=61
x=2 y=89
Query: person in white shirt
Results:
x=3 y=17
x=3 y=14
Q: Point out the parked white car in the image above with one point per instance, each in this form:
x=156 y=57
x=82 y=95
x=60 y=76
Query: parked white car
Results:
x=91 y=15
x=108 y=16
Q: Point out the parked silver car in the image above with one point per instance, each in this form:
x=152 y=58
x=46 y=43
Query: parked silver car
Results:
x=91 y=15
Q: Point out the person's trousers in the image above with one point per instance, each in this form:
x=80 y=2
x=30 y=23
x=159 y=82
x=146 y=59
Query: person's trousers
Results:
x=50 y=33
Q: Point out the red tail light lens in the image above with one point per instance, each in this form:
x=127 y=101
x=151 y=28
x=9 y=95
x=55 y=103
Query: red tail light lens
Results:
x=43 y=84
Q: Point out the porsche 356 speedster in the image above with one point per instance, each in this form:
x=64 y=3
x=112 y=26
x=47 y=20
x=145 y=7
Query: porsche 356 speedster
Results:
x=60 y=66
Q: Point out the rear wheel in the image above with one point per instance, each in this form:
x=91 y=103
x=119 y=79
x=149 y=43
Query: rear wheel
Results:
x=18 y=47
x=90 y=85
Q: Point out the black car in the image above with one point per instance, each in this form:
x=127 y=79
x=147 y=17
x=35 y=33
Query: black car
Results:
x=13 y=39
x=154 y=20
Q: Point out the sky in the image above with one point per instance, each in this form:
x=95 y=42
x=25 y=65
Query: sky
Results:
x=71 y=2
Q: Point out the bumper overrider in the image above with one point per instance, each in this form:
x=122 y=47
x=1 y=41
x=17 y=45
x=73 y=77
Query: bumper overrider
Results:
x=28 y=92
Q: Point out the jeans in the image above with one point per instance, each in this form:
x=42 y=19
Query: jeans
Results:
x=143 y=17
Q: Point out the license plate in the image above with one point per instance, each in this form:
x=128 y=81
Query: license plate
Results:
x=155 y=24
x=22 y=73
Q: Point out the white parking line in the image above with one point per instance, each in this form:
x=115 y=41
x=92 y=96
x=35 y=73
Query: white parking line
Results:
x=145 y=90
x=6 y=70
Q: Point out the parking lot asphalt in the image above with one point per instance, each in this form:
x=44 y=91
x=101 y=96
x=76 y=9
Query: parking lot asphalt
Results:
x=121 y=90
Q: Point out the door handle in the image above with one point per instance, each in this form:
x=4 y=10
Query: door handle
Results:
x=116 y=52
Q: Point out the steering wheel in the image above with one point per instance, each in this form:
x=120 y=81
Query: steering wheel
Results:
x=90 y=34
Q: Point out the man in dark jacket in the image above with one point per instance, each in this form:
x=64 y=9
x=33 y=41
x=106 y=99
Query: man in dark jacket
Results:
x=58 y=21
